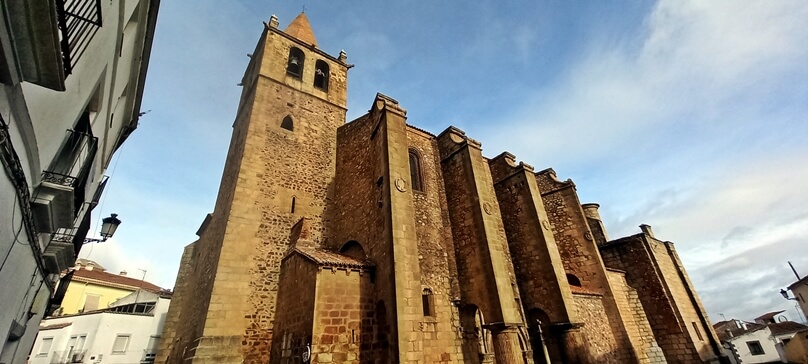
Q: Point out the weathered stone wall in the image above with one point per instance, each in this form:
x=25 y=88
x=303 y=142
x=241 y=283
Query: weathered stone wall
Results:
x=171 y=343
x=401 y=224
x=539 y=270
x=636 y=322
x=578 y=250
x=601 y=345
x=483 y=258
x=267 y=169
x=346 y=326
x=296 y=300
x=192 y=314
x=360 y=212
x=436 y=255
x=688 y=305
x=667 y=303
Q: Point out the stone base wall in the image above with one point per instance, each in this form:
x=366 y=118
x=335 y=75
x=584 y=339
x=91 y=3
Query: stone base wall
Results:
x=601 y=346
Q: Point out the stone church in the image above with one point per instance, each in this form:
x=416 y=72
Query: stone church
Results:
x=374 y=241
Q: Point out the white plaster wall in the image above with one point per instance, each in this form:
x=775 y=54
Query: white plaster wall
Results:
x=101 y=330
x=38 y=119
x=766 y=340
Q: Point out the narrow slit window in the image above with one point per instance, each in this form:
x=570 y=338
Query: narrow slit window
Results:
x=321 y=75
x=428 y=303
x=698 y=333
x=415 y=172
x=294 y=199
x=288 y=124
x=294 y=65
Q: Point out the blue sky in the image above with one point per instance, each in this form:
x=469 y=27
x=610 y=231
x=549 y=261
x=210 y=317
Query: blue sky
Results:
x=690 y=116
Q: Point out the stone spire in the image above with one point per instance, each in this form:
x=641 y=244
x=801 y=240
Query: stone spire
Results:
x=301 y=29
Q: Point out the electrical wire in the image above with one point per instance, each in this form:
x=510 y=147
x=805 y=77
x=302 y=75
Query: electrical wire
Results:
x=16 y=235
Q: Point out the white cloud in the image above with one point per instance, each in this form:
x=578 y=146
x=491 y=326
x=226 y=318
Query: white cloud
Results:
x=698 y=131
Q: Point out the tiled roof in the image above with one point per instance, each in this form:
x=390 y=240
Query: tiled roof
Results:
x=100 y=277
x=803 y=280
x=331 y=259
x=768 y=316
x=582 y=290
x=786 y=327
x=734 y=330
x=301 y=29
x=55 y=326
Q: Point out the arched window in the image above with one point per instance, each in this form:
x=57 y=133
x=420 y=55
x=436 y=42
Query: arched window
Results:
x=573 y=280
x=294 y=200
x=287 y=123
x=321 y=75
x=294 y=65
x=354 y=250
x=428 y=302
x=415 y=172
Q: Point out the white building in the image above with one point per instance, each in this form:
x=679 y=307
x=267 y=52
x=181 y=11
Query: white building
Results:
x=757 y=342
x=71 y=79
x=128 y=332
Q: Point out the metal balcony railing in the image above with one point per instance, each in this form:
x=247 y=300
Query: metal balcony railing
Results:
x=148 y=356
x=73 y=161
x=79 y=21
x=68 y=357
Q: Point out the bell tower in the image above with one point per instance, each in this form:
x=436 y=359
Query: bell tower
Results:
x=279 y=170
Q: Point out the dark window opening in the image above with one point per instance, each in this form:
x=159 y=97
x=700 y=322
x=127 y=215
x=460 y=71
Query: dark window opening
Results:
x=755 y=348
x=573 y=280
x=698 y=333
x=354 y=250
x=321 y=75
x=415 y=172
x=428 y=302
x=293 y=204
x=294 y=65
x=288 y=124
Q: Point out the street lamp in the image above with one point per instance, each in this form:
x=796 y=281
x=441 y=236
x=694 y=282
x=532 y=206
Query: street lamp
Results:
x=108 y=227
x=785 y=295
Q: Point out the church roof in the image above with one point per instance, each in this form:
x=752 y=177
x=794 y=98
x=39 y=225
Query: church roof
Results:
x=331 y=259
x=301 y=29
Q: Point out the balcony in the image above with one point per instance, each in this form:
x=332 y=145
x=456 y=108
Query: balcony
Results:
x=68 y=357
x=61 y=192
x=79 y=21
x=148 y=356
x=45 y=39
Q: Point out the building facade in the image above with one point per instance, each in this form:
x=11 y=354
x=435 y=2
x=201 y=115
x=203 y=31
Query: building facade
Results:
x=374 y=241
x=71 y=79
x=127 y=332
x=800 y=291
x=92 y=287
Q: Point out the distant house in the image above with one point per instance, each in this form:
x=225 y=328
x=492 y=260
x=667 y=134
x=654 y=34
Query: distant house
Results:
x=797 y=348
x=93 y=288
x=126 y=332
x=757 y=342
